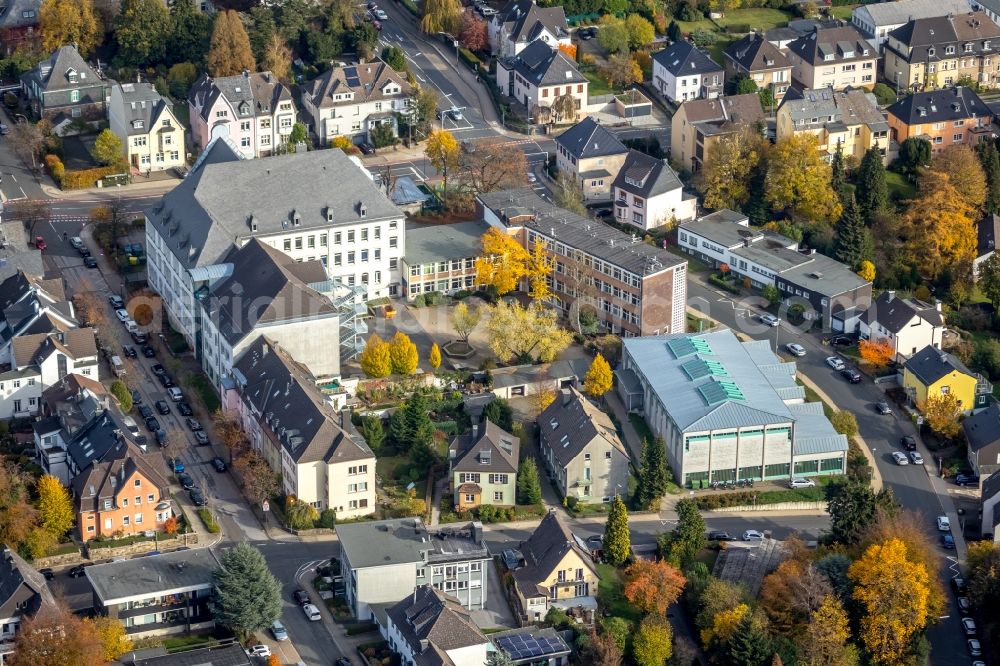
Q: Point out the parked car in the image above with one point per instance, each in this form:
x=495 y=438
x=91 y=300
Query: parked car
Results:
x=311 y=612
x=943 y=524
x=176 y=464
x=184 y=409
x=967 y=480
x=148 y=352
x=129 y=351
x=908 y=442
x=366 y=148
x=851 y=375
x=152 y=424
x=753 y=535
x=842 y=341
x=900 y=458
x=947 y=542
x=801 y=483
x=158 y=369
x=76 y=572
x=186 y=481
x=83 y=251
x=260 y=650
x=381 y=15
x=219 y=464
x=162 y=407
x=165 y=380
x=76 y=242
x=964 y=606
x=136 y=396
x=175 y=394
x=959 y=585
x=975 y=649
x=197 y=498
x=769 y=319
x=138 y=337
x=200 y=438
x=916 y=458
x=122 y=314
x=145 y=411
x=49 y=574
x=717 y=535
x=116 y=302
x=89 y=262
x=193 y=424
x=835 y=362
x=795 y=349
x=883 y=408
x=278 y=630
x=161 y=436
x=301 y=597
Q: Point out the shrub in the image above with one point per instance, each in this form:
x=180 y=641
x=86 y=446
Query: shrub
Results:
x=703 y=38
x=884 y=94
x=209 y=521
x=75 y=180
x=469 y=58
x=327 y=519
x=170 y=526
x=419 y=301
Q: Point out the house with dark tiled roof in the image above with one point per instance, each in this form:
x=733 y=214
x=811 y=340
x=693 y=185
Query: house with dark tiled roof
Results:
x=931 y=373
x=253 y=110
x=848 y=120
x=146 y=125
x=592 y=155
x=319 y=455
x=521 y=22
x=946 y=117
x=64 y=87
x=558 y=571
x=905 y=323
x=39 y=360
x=833 y=57
x=431 y=628
x=987 y=235
x=699 y=124
x=647 y=194
x=682 y=71
x=30 y=304
x=540 y=76
x=23 y=592
x=581 y=449
x=352 y=100
x=484 y=466
x=18 y=22
x=989 y=501
x=878 y=19
x=982 y=432
x=760 y=61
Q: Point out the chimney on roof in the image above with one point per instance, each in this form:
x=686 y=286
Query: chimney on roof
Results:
x=890 y=295
x=246 y=73
x=475 y=430
x=937 y=304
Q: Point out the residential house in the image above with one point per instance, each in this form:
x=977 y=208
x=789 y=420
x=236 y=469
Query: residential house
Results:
x=982 y=432
x=352 y=100
x=933 y=372
x=530 y=380
x=907 y=324
x=384 y=561
x=557 y=572
x=850 y=120
x=266 y=292
x=698 y=124
x=532 y=646
x=592 y=156
x=154 y=596
x=18 y=253
x=545 y=81
x=727 y=410
x=522 y=22
x=255 y=111
x=953 y=116
x=632 y=287
x=682 y=71
x=441 y=258
x=483 y=467
x=64 y=87
x=432 y=627
x=123 y=494
x=836 y=57
x=647 y=194
x=321 y=458
x=39 y=360
x=990 y=494
x=66 y=407
x=337 y=216
x=23 y=592
x=829 y=290
x=227 y=654
x=18 y=24
x=581 y=449
x=147 y=127
x=987 y=234
x=760 y=61
x=877 y=20
x=30 y=304
x=938 y=52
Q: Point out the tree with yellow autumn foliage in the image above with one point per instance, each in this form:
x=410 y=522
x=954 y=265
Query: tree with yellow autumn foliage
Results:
x=403 y=356
x=434 y=357
x=375 y=359
x=599 y=378
x=798 y=180
x=111 y=633
x=866 y=271
x=724 y=624
x=726 y=174
x=892 y=592
x=444 y=153
x=63 y=22
x=539 y=271
x=960 y=164
x=523 y=334
x=502 y=263
x=877 y=353
x=941 y=413
x=826 y=640
x=939 y=231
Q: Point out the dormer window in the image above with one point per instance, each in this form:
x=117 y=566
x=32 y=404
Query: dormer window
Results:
x=71 y=75
x=968 y=47
x=828 y=57
x=986 y=44
x=931 y=51
x=137 y=124
x=362 y=210
x=949 y=50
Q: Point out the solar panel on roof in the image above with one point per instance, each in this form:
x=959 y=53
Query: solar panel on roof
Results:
x=526 y=646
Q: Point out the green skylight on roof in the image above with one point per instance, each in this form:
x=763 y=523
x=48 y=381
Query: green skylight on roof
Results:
x=720 y=390
x=697 y=368
x=686 y=346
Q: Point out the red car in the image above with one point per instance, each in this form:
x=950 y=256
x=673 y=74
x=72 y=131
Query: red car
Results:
x=40 y=243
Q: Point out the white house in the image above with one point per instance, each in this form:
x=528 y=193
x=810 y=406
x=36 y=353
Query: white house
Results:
x=875 y=21
x=145 y=122
x=40 y=360
x=30 y=304
x=648 y=194
x=988 y=232
x=521 y=22
x=354 y=99
x=682 y=72
x=319 y=455
x=540 y=75
x=316 y=206
x=907 y=324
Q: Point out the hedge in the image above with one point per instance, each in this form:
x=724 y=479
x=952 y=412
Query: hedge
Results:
x=727 y=499
x=360 y=628
x=719 y=282
x=470 y=59
x=411 y=7
x=209 y=520
x=75 y=180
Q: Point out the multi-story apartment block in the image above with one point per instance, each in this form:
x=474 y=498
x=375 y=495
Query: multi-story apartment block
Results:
x=699 y=124
x=633 y=288
x=65 y=87
x=833 y=58
x=760 y=61
x=352 y=100
x=441 y=258
x=581 y=449
x=953 y=116
x=316 y=206
x=849 y=120
x=255 y=111
x=384 y=561
x=682 y=71
x=937 y=52
x=726 y=409
x=877 y=20
x=40 y=360
x=321 y=458
x=521 y=22
x=147 y=127
x=431 y=627
x=592 y=155
x=484 y=466
x=647 y=194
x=541 y=76
x=153 y=596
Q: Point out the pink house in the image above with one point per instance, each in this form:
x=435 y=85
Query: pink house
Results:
x=255 y=111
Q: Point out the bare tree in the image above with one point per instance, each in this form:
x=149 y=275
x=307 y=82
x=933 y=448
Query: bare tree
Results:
x=31 y=212
x=489 y=165
x=111 y=216
x=230 y=432
x=27 y=142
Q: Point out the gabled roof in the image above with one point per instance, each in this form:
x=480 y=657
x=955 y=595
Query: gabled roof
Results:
x=524 y=20
x=141 y=107
x=571 y=423
x=988 y=233
x=753 y=53
x=250 y=95
x=105 y=479
x=895 y=314
x=293 y=410
x=844 y=44
x=991 y=486
x=20 y=14
x=541 y=65
x=588 y=139
x=20 y=583
x=365 y=82
x=435 y=617
x=851 y=108
x=734 y=109
x=901 y=11
x=646 y=176
x=544 y=551
x=76 y=343
x=934 y=106
x=684 y=59
x=70 y=386
x=488 y=448
x=929 y=365
x=927 y=31
x=65 y=69
x=94 y=441
x=982 y=430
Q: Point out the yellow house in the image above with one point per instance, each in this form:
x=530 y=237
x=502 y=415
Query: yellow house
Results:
x=851 y=119
x=932 y=372
x=557 y=571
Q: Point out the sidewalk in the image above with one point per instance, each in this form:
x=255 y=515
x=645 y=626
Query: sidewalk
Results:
x=142 y=187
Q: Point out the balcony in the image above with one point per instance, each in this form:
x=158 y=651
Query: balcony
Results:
x=137 y=611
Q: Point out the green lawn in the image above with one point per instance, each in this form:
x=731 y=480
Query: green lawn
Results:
x=641 y=427
x=842 y=12
x=738 y=21
x=598 y=84
x=386 y=466
x=609 y=591
x=900 y=187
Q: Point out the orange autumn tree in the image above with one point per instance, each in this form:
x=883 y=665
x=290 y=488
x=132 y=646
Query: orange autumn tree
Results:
x=653 y=586
x=877 y=353
x=569 y=50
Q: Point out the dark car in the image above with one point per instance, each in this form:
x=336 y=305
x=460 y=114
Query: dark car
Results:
x=48 y=573
x=76 y=571
x=342 y=662
x=161 y=436
x=908 y=442
x=842 y=341
x=148 y=352
x=145 y=411
x=219 y=464
x=958 y=584
x=586 y=33
x=136 y=397
x=851 y=375
x=129 y=351
x=301 y=597
x=967 y=480
x=158 y=369
x=717 y=535
x=367 y=148
x=162 y=407
x=185 y=480
x=165 y=380
x=193 y=424
x=197 y=498
x=84 y=252
x=948 y=542
x=140 y=337
x=152 y=424
x=184 y=409
x=90 y=262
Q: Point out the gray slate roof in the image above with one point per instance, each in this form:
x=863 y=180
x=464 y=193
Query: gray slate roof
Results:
x=431 y=243
x=94 y=441
x=250 y=94
x=59 y=70
x=944 y=105
x=224 y=196
x=849 y=107
x=844 y=43
x=524 y=20
x=646 y=176
x=895 y=313
x=402 y=540
x=753 y=53
x=541 y=65
x=20 y=14
x=982 y=430
x=488 y=448
x=588 y=139
x=367 y=82
x=988 y=233
x=142 y=105
x=571 y=423
x=901 y=11
x=439 y=619
x=991 y=486
x=23 y=591
x=685 y=59
x=181 y=570
x=928 y=37
x=228 y=655
x=930 y=364
x=544 y=551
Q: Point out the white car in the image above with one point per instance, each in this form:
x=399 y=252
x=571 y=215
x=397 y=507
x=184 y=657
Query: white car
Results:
x=969 y=625
x=753 y=535
x=532 y=178
x=975 y=649
x=769 y=319
x=122 y=314
x=943 y=524
x=795 y=349
x=835 y=362
x=259 y=651
x=900 y=458
x=380 y=15
x=801 y=483
x=311 y=612
x=916 y=458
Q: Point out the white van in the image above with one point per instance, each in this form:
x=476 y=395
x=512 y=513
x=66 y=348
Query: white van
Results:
x=117 y=366
x=131 y=326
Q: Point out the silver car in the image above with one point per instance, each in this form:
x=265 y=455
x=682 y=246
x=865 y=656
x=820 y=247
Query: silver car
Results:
x=795 y=349
x=900 y=458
